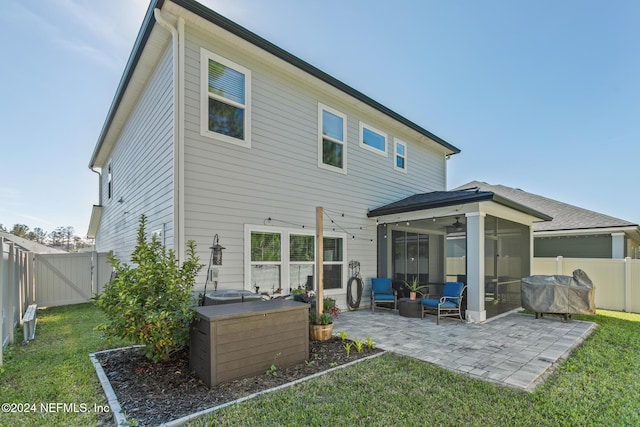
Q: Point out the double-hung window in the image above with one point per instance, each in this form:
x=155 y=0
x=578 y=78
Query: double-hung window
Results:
x=285 y=259
x=226 y=99
x=373 y=139
x=400 y=161
x=333 y=262
x=301 y=260
x=266 y=260
x=332 y=139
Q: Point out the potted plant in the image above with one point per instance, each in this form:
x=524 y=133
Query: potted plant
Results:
x=320 y=327
x=414 y=288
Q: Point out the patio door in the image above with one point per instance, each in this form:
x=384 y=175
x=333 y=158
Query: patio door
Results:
x=410 y=256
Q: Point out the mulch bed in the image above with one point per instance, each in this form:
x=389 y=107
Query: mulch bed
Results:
x=153 y=394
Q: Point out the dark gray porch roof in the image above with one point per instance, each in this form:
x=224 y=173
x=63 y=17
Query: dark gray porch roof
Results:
x=439 y=199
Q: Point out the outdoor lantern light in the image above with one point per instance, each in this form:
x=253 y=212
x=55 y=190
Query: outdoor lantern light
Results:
x=216 y=252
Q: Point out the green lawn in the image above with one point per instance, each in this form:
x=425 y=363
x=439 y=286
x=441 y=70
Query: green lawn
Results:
x=52 y=376
x=599 y=385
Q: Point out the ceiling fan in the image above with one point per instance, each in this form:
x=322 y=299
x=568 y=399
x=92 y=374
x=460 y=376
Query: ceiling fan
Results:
x=457 y=226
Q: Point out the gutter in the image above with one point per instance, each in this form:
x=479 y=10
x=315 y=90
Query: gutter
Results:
x=177 y=46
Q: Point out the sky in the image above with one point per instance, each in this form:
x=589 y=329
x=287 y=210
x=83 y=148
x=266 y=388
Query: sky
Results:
x=539 y=95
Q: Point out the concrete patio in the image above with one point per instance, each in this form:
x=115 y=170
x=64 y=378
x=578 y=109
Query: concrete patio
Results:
x=514 y=349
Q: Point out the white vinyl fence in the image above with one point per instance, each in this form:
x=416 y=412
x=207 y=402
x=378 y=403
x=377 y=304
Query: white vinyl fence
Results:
x=46 y=280
x=617 y=281
x=64 y=279
x=16 y=289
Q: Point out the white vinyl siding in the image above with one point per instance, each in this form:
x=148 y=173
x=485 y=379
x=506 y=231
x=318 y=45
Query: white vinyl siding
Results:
x=373 y=139
x=227 y=186
x=226 y=99
x=142 y=169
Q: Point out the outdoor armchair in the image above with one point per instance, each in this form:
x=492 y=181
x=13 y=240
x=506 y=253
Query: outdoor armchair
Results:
x=383 y=293
x=449 y=304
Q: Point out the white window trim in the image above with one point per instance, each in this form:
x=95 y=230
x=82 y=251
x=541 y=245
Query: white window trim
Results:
x=321 y=164
x=384 y=153
x=205 y=55
x=285 y=255
x=397 y=141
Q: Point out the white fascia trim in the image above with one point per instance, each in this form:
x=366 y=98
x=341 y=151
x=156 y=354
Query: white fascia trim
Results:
x=583 y=232
x=322 y=165
x=205 y=55
x=384 y=153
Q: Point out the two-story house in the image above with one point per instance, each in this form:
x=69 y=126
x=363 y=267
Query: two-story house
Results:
x=216 y=131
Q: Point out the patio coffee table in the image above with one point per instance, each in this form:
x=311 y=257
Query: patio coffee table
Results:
x=408 y=307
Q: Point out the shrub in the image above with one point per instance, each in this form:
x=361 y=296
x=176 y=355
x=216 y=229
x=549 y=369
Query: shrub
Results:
x=150 y=302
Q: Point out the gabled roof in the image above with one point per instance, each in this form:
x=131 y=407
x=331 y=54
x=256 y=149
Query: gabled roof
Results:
x=565 y=216
x=222 y=22
x=438 y=199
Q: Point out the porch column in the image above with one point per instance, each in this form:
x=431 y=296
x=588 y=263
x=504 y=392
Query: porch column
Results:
x=617 y=245
x=475 y=267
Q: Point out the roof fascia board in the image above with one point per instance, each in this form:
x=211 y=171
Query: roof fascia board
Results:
x=586 y=231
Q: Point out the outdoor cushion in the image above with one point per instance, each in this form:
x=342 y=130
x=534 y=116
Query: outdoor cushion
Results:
x=381 y=286
x=384 y=297
x=452 y=289
x=430 y=302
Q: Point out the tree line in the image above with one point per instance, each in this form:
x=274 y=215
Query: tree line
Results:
x=62 y=236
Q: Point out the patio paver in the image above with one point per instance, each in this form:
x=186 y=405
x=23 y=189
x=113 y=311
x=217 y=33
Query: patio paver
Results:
x=515 y=349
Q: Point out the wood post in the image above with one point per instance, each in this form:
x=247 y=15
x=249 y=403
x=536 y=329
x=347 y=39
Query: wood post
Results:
x=319 y=261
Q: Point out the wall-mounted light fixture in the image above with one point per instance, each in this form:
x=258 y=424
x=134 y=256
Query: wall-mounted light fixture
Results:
x=216 y=251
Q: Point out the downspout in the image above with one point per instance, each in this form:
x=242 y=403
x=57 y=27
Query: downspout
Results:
x=99 y=184
x=178 y=142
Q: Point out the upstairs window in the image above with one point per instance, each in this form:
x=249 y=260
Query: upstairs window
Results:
x=332 y=139
x=400 y=163
x=373 y=139
x=109 y=181
x=226 y=103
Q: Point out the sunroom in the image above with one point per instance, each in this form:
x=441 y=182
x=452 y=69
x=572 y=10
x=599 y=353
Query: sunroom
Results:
x=470 y=236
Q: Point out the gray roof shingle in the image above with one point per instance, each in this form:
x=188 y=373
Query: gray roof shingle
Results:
x=565 y=216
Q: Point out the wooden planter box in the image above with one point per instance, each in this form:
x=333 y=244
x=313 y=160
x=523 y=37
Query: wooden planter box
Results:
x=241 y=340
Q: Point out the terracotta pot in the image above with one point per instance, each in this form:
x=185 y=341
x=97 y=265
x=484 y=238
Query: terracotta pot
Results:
x=320 y=332
x=412 y=295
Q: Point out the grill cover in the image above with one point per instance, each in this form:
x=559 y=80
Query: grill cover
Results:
x=559 y=294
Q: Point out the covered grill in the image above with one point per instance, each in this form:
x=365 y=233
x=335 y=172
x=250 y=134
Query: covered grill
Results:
x=564 y=295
